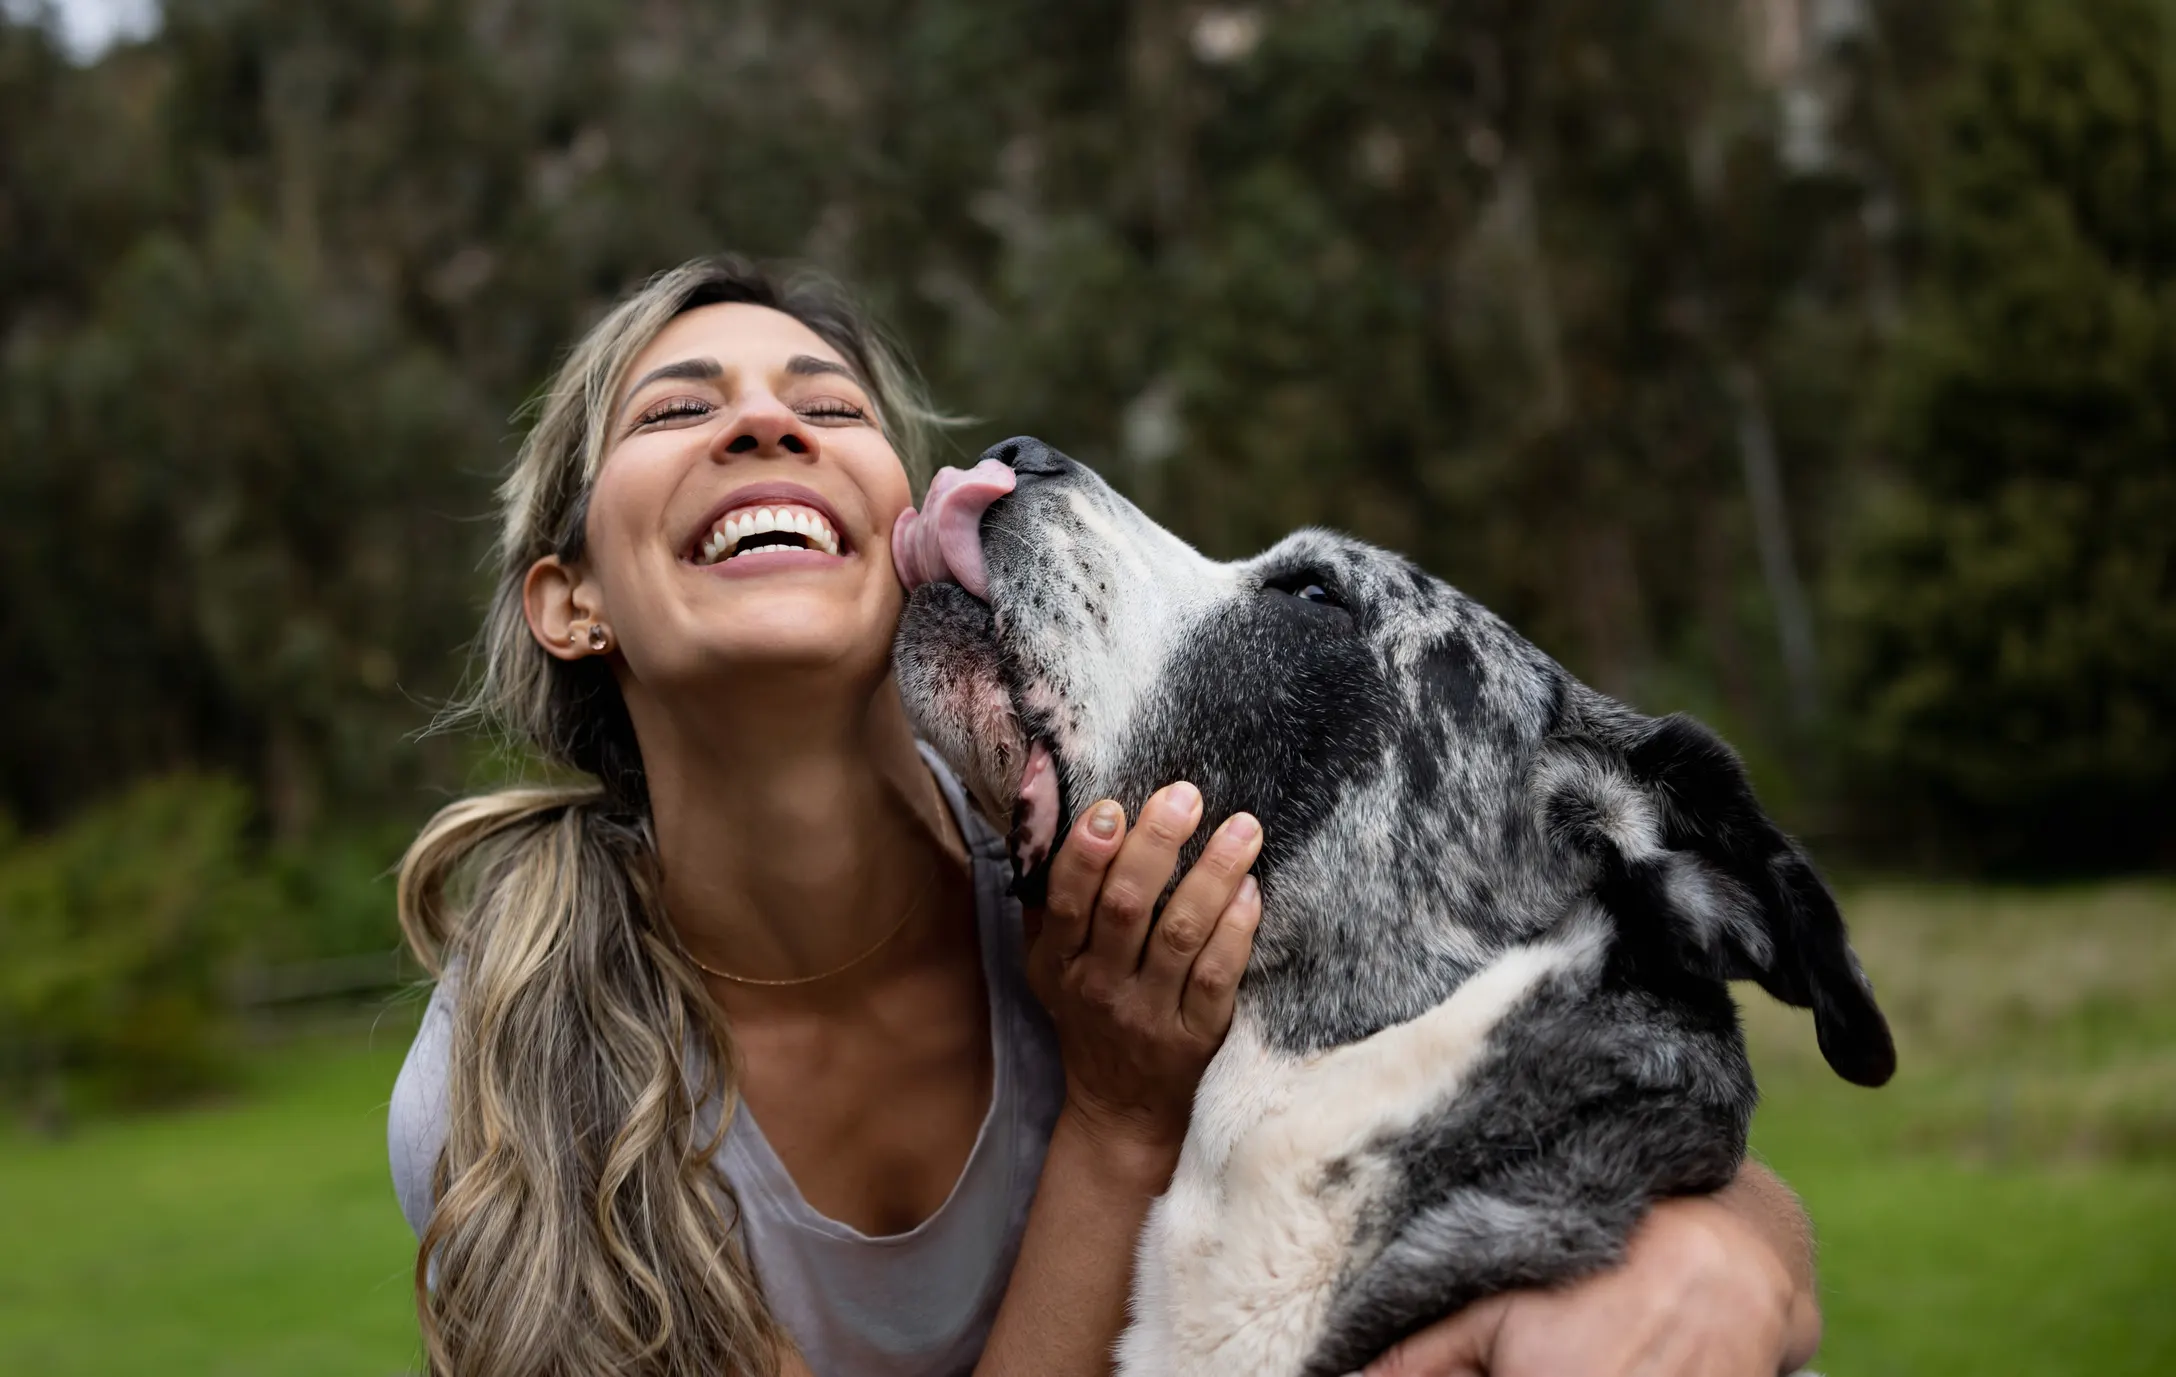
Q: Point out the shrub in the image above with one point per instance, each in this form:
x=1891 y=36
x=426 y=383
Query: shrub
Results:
x=116 y=937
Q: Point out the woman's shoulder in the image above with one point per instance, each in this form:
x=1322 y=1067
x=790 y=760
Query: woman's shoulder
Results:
x=415 y=1128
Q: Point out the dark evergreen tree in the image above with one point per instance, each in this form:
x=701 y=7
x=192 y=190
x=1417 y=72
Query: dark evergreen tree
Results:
x=2011 y=606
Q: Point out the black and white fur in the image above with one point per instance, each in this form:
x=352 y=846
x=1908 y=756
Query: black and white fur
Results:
x=1486 y=1021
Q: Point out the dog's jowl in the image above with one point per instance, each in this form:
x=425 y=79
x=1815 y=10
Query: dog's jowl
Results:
x=1487 y=1022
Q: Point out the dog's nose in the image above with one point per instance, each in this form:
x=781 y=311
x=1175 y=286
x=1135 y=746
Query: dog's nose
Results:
x=1028 y=457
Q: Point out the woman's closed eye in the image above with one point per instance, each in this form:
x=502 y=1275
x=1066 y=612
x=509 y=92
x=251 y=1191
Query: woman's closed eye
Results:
x=817 y=411
x=830 y=410
x=673 y=408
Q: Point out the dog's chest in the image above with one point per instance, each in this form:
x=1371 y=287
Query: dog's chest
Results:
x=1242 y=1257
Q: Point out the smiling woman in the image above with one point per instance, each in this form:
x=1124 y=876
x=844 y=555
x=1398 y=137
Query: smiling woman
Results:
x=772 y=909
x=743 y=1058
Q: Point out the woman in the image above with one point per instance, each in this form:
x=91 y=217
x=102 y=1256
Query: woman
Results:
x=739 y=1060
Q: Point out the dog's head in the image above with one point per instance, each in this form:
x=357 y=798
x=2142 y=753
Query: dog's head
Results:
x=1432 y=787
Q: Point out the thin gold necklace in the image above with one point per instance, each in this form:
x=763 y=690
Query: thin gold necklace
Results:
x=881 y=943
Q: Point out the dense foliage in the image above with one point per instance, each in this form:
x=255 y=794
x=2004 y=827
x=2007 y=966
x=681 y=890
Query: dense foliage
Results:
x=2013 y=601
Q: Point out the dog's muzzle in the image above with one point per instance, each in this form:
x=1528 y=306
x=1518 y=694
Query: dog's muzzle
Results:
x=942 y=543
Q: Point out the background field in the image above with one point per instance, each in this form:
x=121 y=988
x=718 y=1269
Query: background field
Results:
x=2005 y=1207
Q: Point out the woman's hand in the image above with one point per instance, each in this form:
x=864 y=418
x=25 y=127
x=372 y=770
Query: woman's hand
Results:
x=1705 y=1290
x=1140 y=1005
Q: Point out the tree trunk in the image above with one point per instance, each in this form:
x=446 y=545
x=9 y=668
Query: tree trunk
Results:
x=1772 y=534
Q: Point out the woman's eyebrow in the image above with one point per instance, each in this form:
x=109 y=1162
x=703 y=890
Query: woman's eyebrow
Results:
x=690 y=370
x=809 y=366
x=708 y=370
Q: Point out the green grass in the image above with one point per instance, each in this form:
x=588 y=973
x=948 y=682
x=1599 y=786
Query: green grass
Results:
x=2008 y=1203
x=2007 y=1206
x=257 y=1239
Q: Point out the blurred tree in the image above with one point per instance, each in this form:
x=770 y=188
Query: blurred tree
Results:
x=233 y=494
x=81 y=172
x=2012 y=602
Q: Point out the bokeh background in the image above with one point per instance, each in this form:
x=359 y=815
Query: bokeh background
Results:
x=1806 y=364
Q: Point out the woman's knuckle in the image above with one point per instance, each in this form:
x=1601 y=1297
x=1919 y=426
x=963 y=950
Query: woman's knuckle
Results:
x=1181 y=930
x=1139 y=1023
x=1166 y=830
x=1123 y=901
x=1220 y=858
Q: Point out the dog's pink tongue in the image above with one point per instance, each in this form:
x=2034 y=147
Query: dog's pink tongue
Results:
x=1035 y=821
x=944 y=539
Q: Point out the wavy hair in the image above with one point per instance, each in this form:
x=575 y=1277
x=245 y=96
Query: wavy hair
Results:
x=581 y=1224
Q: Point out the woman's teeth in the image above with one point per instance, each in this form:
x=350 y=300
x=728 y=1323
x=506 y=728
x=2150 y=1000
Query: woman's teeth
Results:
x=783 y=528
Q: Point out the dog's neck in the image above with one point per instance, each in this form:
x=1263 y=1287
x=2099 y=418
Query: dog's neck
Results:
x=1332 y=965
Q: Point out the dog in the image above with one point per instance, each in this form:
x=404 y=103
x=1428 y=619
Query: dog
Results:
x=1486 y=1022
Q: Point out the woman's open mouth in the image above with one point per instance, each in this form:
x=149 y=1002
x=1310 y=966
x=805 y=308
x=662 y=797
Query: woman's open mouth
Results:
x=761 y=532
x=767 y=527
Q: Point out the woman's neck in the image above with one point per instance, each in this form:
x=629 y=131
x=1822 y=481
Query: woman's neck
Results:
x=793 y=834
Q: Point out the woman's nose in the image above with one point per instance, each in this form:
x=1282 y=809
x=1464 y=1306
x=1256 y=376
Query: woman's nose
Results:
x=767 y=426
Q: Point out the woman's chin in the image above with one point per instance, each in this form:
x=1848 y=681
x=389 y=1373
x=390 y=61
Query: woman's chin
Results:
x=798 y=634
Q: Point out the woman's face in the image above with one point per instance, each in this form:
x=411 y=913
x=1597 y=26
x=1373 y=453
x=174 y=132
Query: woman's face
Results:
x=742 y=516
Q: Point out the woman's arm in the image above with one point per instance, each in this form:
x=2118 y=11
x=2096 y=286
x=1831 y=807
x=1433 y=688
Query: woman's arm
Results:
x=1718 y=1285
x=1066 y=1303
x=1140 y=1009
x=1774 y=1212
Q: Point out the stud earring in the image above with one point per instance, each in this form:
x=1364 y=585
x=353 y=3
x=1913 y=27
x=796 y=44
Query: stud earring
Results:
x=599 y=636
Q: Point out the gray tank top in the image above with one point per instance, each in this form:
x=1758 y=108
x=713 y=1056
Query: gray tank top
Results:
x=917 y=1304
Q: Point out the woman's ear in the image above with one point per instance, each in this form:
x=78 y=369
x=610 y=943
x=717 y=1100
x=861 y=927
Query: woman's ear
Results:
x=564 y=610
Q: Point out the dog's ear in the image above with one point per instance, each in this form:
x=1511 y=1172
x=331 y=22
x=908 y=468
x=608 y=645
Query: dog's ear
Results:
x=1689 y=858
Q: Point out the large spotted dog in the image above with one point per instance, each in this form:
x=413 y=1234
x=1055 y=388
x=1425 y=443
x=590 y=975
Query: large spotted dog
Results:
x=1486 y=1022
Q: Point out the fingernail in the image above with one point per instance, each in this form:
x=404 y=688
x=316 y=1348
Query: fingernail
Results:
x=1250 y=890
x=1183 y=796
x=1103 y=819
x=1241 y=827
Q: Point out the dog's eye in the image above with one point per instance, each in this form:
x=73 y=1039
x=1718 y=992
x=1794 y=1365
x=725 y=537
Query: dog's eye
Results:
x=1306 y=587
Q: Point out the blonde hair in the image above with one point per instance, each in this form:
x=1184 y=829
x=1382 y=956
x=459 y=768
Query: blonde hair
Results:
x=581 y=1223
